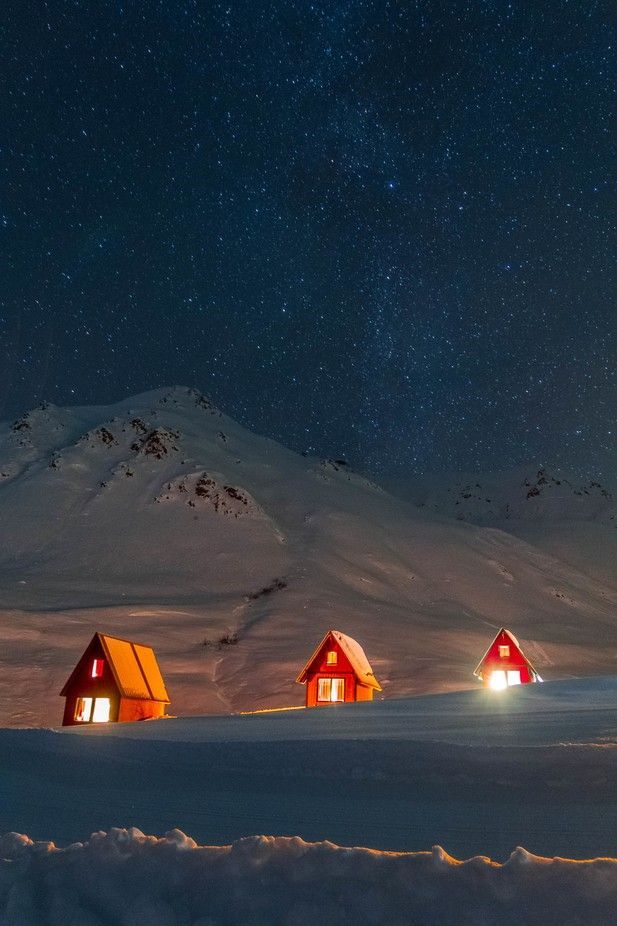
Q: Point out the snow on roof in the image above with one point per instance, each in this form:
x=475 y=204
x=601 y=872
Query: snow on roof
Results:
x=134 y=667
x=508 y=633
x=355 y=654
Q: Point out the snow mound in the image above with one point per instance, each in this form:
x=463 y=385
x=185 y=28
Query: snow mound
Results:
x=125 y=877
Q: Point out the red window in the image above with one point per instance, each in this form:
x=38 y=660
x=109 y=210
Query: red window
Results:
x=97 y=668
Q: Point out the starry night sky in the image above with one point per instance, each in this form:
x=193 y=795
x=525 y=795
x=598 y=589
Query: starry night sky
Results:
x=382 y=230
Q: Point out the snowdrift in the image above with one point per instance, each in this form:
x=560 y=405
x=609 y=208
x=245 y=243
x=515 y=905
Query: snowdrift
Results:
x=125 y=877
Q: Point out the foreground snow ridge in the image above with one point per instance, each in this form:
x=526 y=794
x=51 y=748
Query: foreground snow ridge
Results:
x=124 y=877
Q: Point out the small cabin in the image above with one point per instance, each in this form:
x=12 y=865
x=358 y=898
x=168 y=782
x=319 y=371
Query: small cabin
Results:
x=115 y=680
x=337 y=672
x=504 y=664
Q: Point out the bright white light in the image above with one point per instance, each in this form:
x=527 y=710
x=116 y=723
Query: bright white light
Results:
x=101 y=711
x=498 y=680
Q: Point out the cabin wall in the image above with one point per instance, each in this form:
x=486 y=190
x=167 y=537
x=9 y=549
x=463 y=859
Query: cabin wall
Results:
x=138 y=709
x=342 y=666
x=82 y=685
x=89 y=691
x=364 y=692
x=489 y=666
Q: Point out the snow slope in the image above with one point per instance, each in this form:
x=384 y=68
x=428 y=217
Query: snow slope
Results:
x=572 y=519
x=161 y=519
x=476 y=772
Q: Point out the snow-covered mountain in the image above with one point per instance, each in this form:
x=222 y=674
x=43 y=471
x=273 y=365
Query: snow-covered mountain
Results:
x=162 y=519
x=523 y=494
x=573 y=519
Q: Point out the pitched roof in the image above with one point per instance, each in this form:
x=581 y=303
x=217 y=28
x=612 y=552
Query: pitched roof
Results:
x=507 y=633
x=134 y=667
x=355 y=655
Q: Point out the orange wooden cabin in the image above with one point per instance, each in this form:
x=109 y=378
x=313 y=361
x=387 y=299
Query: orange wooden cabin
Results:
x=504 y=664
x=338 y=671
x=115 y=680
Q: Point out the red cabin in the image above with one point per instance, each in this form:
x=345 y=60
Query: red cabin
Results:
x=338 y=671
x=115 y=680
x=504 y=664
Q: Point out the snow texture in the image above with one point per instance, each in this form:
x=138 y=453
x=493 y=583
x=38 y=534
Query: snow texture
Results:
x=129 y=879
x=476 y=771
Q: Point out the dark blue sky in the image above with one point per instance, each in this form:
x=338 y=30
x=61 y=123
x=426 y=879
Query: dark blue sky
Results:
x=383 y=230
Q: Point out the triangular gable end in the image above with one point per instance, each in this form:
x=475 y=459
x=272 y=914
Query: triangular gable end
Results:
x=92 y=650
x=512 y=641
x=354 y=653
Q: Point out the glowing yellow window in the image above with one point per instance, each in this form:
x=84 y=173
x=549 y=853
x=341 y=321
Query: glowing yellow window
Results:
x=102 y=707
x=331 y=658
x=97 y=668
x=504 y=652
x=83 y=709
x=331 y=689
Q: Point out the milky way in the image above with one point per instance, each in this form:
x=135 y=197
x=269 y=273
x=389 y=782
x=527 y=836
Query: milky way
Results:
x=381 y=230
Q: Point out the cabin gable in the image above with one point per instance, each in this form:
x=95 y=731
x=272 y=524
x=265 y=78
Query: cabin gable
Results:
x=85 y=675
x=114 y=680
x=323 y=662
x=504 y=664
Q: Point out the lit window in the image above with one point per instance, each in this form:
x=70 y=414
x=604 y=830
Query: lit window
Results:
x=338 y=689
x=514 y=677
x=331 y=689
x=498 y=680
x=97 y=668
x=83 y=709
x=504 y=652
x=100 y=714
x=331 y=657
